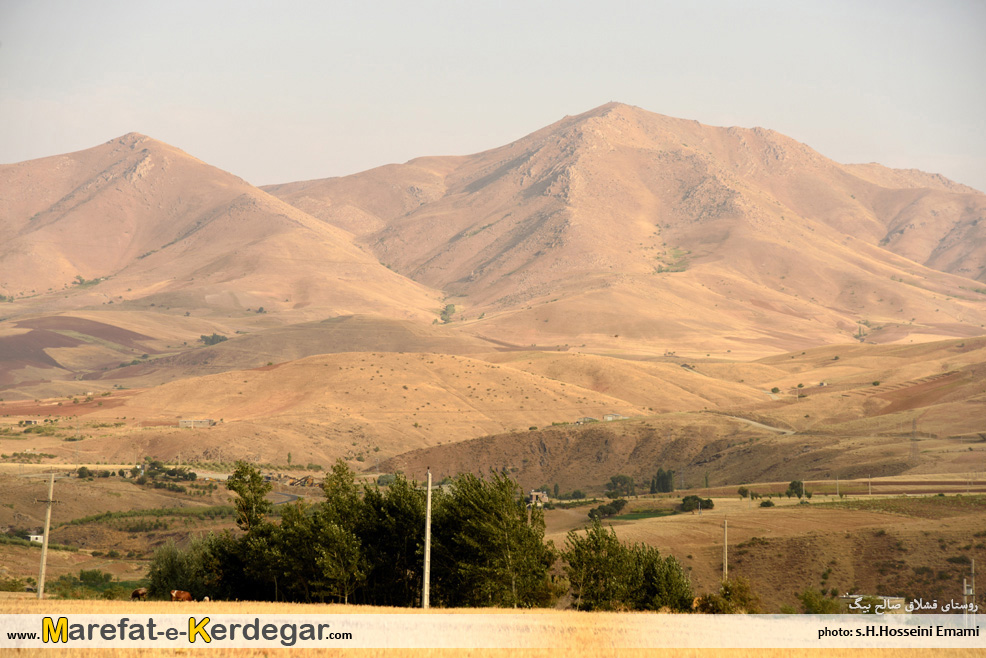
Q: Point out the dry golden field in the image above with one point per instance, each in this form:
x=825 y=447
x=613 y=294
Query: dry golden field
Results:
x=586 y=635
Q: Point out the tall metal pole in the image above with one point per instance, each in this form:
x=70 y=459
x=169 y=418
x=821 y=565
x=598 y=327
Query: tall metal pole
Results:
x=725 y=551
x=44 y=541
x=427 y=579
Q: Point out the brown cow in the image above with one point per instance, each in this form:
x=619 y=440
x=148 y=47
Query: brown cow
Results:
x=138 y=594
x=180 y=595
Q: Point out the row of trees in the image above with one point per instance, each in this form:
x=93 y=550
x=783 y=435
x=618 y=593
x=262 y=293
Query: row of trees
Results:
x=662 y=482
x=365 y=544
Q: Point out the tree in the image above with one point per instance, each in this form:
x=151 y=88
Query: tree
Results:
x=743 y=492
x=663 y=482
x=252 y=505
x=179 y=568
x=392 y=533
x=606 y=574
x=814 y=602
x=597 y=568
x=620 y=485
x=693 y=502
x=795 y=488
x=340 y=561
x=486 y=550
x=610 y=509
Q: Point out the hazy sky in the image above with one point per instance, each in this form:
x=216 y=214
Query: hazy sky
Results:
x=282 y=91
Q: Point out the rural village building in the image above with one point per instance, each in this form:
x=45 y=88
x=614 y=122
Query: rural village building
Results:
x=196 y=423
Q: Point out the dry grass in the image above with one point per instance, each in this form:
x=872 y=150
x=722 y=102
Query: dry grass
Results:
x=511 y=653
x=585 y=635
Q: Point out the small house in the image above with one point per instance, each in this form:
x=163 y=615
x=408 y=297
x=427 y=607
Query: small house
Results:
x=609 y=417
x=537 y=498
x=36 y=538
x=586 y=419
x=196 y=423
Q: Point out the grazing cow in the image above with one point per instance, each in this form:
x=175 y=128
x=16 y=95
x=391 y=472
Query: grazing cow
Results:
x=180 y=595
x=138 y=594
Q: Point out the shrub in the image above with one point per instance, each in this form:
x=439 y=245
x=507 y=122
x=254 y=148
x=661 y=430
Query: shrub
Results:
x=213 y=339
x=734 y=596
x=689 y=503
x=815 y=603
x=766 y=503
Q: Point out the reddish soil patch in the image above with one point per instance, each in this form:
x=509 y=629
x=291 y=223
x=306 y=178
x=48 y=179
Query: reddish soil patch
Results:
x=50 y=407
x=29 y=349
x=89 y=327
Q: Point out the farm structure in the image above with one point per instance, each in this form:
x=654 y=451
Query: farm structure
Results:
x=196 y=423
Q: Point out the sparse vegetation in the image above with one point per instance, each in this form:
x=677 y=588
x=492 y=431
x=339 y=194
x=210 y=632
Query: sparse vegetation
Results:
x=214 y=339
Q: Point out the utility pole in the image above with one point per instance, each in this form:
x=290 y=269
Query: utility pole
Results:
x=427 y=577
x=837 y=486
x=969 y=590
x=725 y=551
x=44 y=542
x=870 y=482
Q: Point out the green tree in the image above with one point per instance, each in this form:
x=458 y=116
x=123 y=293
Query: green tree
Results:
x=392 y=533
x=597 y=566
x=662 y=482
x=340 y=562
x=814 y=602
x=619 y=486
x=606 y=574
x=693 y=502
x=488 y=547
x=252 y=505
x=795 y=488
x=179 y=568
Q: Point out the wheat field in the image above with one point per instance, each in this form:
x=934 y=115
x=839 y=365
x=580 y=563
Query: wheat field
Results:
x=578 y=634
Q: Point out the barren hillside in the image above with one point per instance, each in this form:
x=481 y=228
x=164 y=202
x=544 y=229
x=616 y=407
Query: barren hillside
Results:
x=662 y=231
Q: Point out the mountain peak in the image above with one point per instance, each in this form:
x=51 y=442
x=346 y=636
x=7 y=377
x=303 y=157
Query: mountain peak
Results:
x=131 y=139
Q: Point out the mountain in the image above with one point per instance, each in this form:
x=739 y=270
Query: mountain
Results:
x=133 y=250
x=140 y=223
x=624 y=229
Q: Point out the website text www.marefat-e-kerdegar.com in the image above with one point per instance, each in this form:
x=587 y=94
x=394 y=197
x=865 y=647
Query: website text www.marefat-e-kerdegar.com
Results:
x=60 y=630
